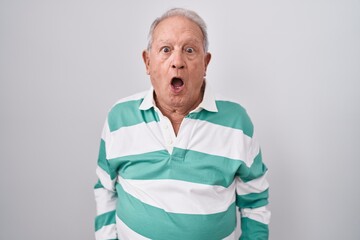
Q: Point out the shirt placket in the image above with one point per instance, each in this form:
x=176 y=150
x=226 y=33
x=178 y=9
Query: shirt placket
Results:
x=167 y=132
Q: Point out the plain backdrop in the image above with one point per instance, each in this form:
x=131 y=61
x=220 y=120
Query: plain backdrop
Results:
x=294 y=65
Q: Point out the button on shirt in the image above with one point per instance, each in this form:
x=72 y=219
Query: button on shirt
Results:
x=208 y=103
x=155 y=185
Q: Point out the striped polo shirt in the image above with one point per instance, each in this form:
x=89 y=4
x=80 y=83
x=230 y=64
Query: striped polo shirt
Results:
x=155 y=185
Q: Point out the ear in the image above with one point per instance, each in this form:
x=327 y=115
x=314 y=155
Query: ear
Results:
x=146 y=59
x=207 y=59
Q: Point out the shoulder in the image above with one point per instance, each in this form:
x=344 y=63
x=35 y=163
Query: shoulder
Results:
x=226 y=104
x=232 y=114
x=125 y=111
x=127 y=103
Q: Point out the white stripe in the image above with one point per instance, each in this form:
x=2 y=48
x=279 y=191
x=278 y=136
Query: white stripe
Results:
x=217 y=140
x=105 y=200
x=126 y=233
x=106 y=232
x=260 y=214
x=137 y=139
x=257 y=185
x=254 y=150
x=106 y=131
x=179 y=196
x=105 y=179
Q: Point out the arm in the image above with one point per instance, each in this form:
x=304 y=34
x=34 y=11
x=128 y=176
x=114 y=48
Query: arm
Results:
x=252 y=196
x=105 y=195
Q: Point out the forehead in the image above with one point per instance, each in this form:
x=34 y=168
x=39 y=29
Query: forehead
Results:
x=177 y=27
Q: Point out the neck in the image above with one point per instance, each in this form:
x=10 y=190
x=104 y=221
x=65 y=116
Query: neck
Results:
x=177 y=113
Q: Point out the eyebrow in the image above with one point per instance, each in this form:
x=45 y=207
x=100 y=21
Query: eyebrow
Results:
x=186 y=42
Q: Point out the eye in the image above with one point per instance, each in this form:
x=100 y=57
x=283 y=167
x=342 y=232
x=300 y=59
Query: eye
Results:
x=189 y=50
x=165 y=49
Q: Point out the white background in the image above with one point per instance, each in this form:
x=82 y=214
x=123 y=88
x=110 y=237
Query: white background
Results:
x=294 y=65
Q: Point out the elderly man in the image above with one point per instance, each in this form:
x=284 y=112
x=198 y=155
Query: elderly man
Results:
x=176 y=162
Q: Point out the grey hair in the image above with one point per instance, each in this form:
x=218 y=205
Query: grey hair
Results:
x=191 y=15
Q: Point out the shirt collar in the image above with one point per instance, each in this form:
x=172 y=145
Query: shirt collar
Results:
x=208 y=103
x=148 y=101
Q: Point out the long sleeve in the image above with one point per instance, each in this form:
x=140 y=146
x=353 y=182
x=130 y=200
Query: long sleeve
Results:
x=252 y=196
x=105 y=194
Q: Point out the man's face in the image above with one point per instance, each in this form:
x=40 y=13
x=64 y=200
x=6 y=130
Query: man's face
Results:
x=177 y=62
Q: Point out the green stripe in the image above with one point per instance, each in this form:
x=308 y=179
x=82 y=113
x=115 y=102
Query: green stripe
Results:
x=103 y=162
x=155 y=223
x=183 y=165
x=98 y=185
x=252 y=200
x=128 y=114
x=257 y=169
x=142 y=166
x=229 y=115
x=105 y=219
x=252 y=229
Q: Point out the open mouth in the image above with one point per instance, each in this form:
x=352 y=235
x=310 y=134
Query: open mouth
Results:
x=177 y=83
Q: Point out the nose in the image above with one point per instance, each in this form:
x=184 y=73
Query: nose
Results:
x=178 y=61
